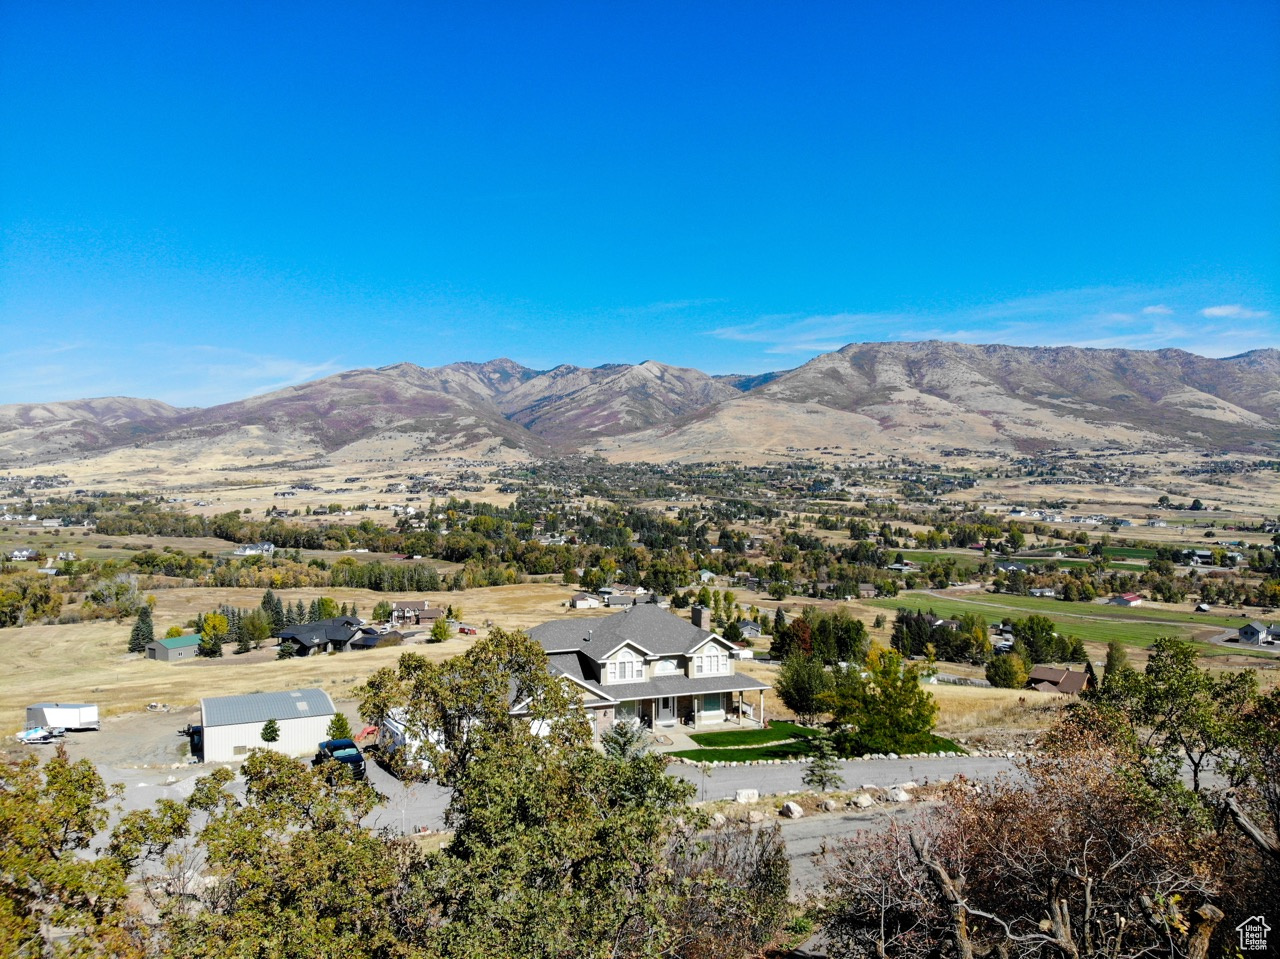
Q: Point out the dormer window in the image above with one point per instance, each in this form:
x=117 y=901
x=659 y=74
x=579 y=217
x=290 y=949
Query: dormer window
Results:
x=712 y=663
x=625 y=667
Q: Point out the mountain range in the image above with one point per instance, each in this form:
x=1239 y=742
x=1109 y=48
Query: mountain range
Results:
x=871 y=396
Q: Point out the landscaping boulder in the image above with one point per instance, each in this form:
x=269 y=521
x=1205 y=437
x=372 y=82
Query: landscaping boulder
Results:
x=791 y=810
x=746 y=795
x=863 y=801
x=718 y=819
x=900 y=795
x=828 y=805
x=755 y=816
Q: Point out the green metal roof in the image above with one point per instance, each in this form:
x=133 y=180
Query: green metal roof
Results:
x=180 y=642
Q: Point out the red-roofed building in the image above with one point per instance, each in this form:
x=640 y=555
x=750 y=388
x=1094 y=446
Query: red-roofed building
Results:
x=1127 y=599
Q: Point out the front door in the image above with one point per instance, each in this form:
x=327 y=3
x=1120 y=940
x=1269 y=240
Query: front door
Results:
x=667 y=710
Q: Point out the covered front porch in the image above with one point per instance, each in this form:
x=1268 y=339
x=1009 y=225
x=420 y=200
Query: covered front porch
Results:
x=701 y=711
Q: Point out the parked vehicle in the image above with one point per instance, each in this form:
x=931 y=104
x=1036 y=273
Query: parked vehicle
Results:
x=196 y=735
x=394 y=737
x=38 y=735
x=72 y=716
x=343 y=751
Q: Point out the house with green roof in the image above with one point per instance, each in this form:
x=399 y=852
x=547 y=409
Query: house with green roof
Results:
x=174 y=649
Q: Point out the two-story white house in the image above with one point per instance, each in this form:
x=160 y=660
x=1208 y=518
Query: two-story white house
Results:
x=650 y=665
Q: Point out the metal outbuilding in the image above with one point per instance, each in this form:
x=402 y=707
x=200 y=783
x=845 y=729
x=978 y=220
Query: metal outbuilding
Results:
x=174 y=649
x=233 y=724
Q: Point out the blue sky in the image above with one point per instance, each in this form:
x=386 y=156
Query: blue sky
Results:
x=203 y=201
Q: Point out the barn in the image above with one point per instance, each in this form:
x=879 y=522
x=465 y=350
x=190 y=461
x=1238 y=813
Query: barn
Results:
x=233 y=724
x=173 y=649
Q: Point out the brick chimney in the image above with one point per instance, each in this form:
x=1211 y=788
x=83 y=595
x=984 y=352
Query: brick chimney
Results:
x=702 y=617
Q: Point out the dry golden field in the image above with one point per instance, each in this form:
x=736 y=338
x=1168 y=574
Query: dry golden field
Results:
x=87 y=662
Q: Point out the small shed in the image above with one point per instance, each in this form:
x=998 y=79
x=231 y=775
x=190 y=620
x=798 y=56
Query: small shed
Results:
x=174 y=649
x=233 y=724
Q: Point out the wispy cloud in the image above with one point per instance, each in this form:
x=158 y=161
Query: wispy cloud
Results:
x=197 y=375
x=1094 y=317
x=47 y=349
x=1233 y=311
x=214 y=374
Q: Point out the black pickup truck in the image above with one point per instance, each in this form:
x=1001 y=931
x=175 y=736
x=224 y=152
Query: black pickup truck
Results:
x=343 y=751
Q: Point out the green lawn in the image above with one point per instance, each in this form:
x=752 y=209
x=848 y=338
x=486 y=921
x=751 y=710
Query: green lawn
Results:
x=1131 y=567
x=922 y=556
x=1056 y=607
x=1100 y=625
x=784 y=751
x=1130 y=552
x=798 y=750
x=776 y=733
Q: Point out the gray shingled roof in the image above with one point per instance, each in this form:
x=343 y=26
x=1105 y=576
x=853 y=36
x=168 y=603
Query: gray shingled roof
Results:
x=648 y=626
x=337 y=630
x=259 y=707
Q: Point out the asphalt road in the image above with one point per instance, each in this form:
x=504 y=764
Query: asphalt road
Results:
x=808 y=838
x=410 y=806
x=723 y=782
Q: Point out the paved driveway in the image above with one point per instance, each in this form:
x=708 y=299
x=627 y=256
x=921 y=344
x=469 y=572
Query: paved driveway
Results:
x=723 y=781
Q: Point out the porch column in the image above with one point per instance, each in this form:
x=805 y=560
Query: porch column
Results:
x=762 y=709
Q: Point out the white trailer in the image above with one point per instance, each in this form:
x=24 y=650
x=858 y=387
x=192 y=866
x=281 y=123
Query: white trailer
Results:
x=71 y=716
x=394 y=736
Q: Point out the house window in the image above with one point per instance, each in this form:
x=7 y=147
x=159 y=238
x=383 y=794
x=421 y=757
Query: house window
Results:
x=626 y=670
x=713 y=664
x=711 y=703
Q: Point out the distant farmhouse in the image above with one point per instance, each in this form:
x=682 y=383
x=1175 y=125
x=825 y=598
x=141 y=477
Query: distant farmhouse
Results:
x=414 y=612
x=1046 y=679
x=325 y=636
x=256 y=549
x=1257 y=633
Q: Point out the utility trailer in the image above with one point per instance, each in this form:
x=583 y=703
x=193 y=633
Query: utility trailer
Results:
x=69 y=716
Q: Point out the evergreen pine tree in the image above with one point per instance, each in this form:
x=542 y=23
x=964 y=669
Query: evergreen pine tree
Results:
x=354 y=614
x=274 y=609
x=824 y=771
x=270 y=731
x=339 y=727
x=143 y=631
